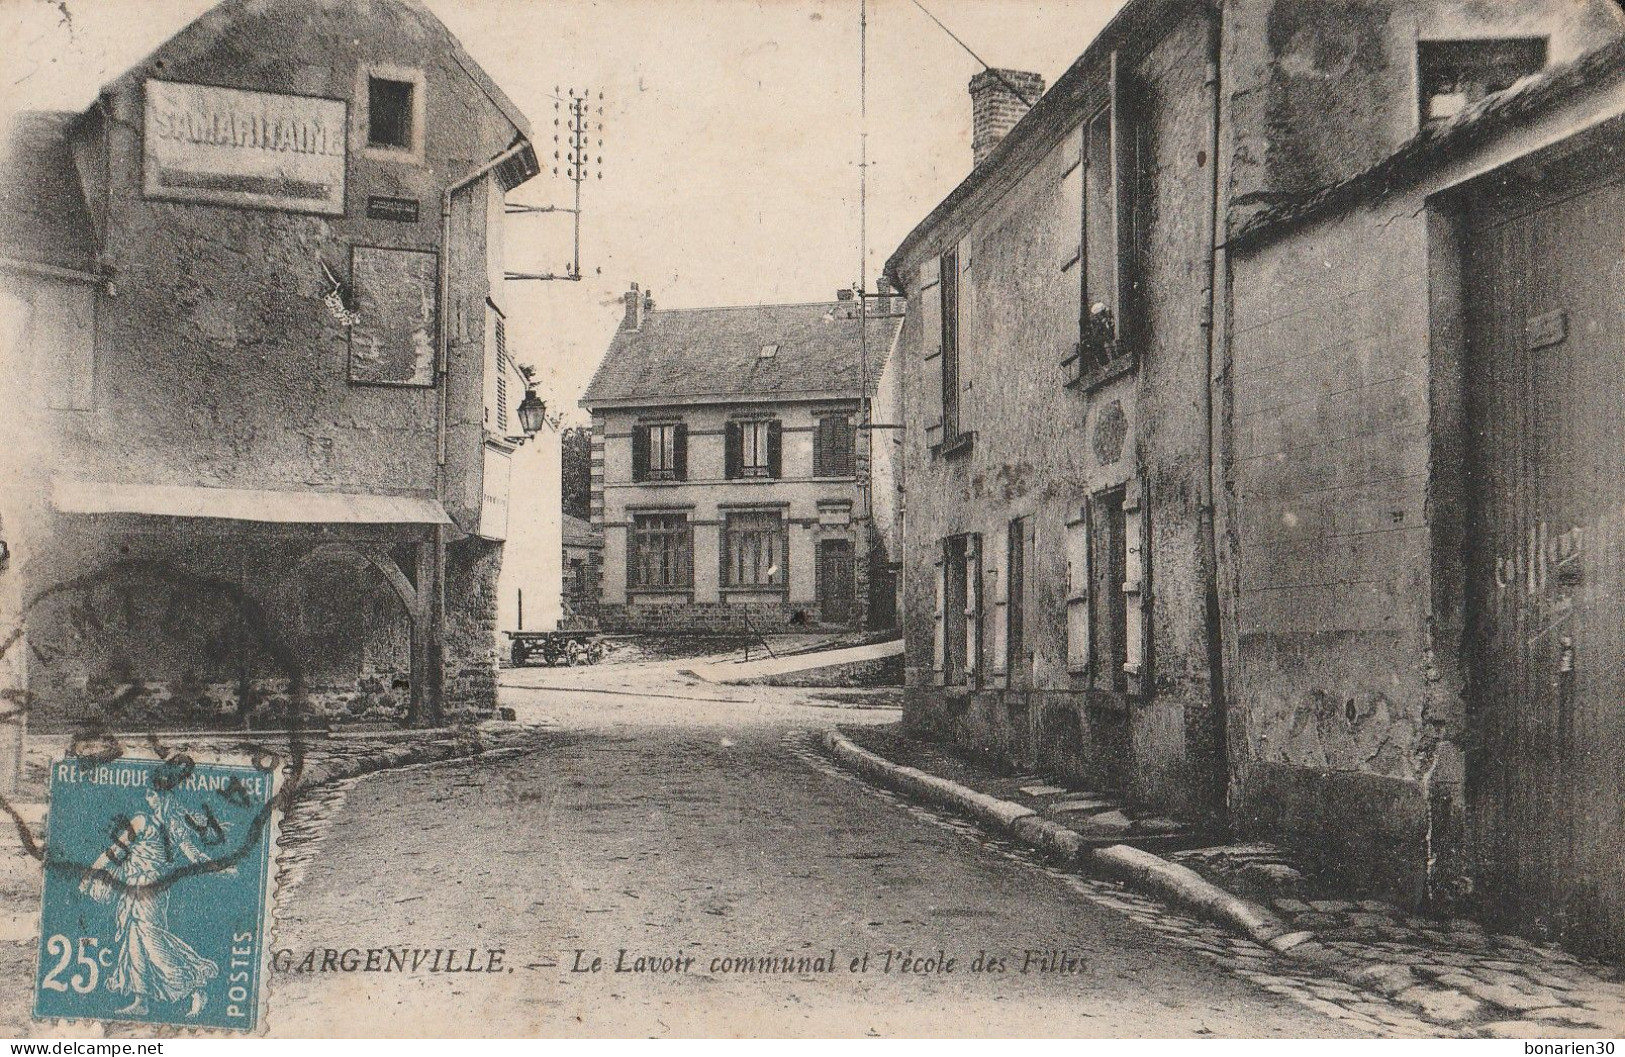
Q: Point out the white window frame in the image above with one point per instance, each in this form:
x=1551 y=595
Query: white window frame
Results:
x=412 y=154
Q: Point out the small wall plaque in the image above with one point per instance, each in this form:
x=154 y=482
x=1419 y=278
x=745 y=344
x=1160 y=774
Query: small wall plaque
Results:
x=383 y=207
x=1548 y=329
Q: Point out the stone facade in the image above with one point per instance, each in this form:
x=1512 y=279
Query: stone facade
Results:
x=1266 y=426
x=1354 y=730
x=213 y=366
x=814 y=509
x=793 y=378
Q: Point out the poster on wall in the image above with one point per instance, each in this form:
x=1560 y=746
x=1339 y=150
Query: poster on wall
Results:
x=227 y=147
x=393 y=344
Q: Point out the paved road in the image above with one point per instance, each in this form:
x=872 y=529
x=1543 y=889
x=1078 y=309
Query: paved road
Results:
x=679 y=828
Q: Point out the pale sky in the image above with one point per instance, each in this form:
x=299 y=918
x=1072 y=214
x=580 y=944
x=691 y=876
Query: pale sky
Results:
x=731 y=136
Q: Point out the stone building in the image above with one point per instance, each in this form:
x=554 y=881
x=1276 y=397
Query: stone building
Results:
x=1425 y=497
x=730 y=475
x=1094 y=577
x=254 y=302
x=583 y=556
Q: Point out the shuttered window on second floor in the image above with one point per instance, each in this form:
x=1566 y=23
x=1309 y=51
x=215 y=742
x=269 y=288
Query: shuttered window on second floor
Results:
x=835 y=447
x=660 y=451
x=755 y=449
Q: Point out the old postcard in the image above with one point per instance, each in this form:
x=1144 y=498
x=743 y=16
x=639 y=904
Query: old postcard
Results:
x=833 y=518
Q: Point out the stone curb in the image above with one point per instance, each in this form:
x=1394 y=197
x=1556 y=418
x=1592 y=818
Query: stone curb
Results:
x=389 y=758
x=1138 y=868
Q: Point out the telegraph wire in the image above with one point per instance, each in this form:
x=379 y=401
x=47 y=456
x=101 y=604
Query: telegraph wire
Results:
x=1019 y=94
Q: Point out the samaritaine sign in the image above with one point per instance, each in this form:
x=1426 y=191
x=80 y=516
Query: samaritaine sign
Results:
x=229 y=147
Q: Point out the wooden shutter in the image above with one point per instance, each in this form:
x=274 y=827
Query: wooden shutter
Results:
x=1072 y=247
x=1124 y=167
x=734 y=451
x=679 y=451
x=823 y=465
x=632 y=554
x=1077 y=594
x=930 y=301
x=973 y=610
x=1135 y=596
x=1029 y=602
x=775 y=449
x=939 y=626
x=640 y=453
x=1000 y=571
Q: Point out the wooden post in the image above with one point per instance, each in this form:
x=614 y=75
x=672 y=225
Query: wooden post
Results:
x=422 y=573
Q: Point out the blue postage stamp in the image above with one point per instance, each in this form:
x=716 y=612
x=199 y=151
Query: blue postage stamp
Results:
x=157 y=875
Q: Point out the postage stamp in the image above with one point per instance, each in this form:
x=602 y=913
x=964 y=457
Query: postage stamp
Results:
x=157 y=883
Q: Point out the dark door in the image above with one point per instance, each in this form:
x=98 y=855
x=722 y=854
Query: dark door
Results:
x=1546 y=556
x=835 y=580
x=1015 y=602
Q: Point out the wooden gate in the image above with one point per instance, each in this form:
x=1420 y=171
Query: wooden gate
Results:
x=836 y=589
x=1546 y=555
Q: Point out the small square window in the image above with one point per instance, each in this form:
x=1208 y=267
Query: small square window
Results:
x=389 y=113
x=1454 y=74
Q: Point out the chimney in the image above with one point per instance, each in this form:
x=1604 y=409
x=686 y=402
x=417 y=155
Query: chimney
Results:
x=634 y=309
x=996 y=105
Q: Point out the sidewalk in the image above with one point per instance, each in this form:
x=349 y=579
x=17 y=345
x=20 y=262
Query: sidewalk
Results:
x=737 y=671
x=1451 y=973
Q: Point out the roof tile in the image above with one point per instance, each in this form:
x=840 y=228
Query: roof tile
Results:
x=717 y=352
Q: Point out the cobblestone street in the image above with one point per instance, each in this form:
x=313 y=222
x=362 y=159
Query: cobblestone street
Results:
x=672 y=818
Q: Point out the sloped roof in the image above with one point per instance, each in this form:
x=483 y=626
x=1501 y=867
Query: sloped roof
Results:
x=580 y=533
x=215 y=27
x=715 y=353
x=43 y=216
x=1599 y=70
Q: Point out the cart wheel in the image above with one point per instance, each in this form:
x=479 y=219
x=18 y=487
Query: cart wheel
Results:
x=576 y=654
x=595 y=652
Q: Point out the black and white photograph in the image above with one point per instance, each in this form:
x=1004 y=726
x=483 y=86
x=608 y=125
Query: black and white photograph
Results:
x=812 y=519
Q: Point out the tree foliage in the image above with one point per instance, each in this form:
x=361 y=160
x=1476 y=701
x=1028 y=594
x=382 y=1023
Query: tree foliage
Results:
x=575 y=449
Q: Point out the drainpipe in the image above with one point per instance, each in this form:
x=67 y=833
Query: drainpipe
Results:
x=443 y=342
x=435 y=698
x=1214 y=317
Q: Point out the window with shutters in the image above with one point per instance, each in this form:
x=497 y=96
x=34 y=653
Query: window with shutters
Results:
x=1112 y=152
x=502 y=374
x=961 y=610
x=754 y=450
x=835 y=447
x=754 y=549
x=661 y=552
x=660 y=451
x=1105 y=577
x=1108 y=617
x=1015 y=589
x=948 y=287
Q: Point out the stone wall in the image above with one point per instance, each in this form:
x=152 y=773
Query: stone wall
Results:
x=472 y=566
x=730 y=618
x=1041 y=449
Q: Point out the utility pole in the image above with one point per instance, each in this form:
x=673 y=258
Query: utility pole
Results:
x=576 y=159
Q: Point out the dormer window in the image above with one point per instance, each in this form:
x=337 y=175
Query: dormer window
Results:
x=1452 y=75
x=768 y=352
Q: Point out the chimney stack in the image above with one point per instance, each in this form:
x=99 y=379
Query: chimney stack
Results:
x=996 y=105
x=634 y=309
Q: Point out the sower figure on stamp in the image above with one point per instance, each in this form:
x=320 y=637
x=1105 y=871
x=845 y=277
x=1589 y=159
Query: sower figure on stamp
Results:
x=153 y=963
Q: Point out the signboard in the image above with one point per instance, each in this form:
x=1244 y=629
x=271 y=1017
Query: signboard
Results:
x=385 y=207
x=228 y=147
x=394 y=341
x=494 y=499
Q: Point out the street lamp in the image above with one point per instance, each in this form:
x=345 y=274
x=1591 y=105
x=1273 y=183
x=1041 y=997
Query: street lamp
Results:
x=532 y=412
